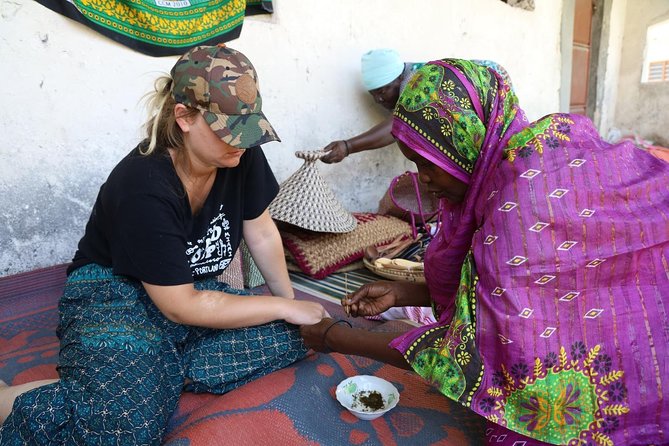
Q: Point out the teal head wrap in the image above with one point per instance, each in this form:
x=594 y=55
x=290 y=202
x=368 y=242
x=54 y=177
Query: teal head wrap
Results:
x=380 y=67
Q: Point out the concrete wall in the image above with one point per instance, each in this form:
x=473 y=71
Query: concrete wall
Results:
x=611 y=34
x=641 y=107
x=71 y=105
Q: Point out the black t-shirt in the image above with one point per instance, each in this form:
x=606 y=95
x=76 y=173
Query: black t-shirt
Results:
x=142 y=225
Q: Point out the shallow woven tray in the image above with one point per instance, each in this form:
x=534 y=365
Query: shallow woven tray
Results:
x=395 y=274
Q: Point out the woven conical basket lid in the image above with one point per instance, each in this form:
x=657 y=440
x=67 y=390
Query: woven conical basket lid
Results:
x=306 y=200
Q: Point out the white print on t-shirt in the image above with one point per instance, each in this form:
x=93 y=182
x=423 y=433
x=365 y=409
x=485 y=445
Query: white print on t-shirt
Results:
x=213 y=252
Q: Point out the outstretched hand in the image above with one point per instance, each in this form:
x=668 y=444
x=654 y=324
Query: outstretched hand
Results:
x=336 y=151
x=371 y=299
x=303 y=312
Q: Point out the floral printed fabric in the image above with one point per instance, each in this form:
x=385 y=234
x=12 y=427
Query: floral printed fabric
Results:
x=549 y=279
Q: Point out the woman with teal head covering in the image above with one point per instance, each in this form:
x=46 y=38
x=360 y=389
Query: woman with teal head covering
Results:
x=384 y=76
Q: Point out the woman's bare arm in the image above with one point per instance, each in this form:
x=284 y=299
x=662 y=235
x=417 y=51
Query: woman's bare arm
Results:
x=264 y=241
x=184 y=304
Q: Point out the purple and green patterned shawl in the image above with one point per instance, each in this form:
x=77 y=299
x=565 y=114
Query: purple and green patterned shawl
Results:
x=550 y=279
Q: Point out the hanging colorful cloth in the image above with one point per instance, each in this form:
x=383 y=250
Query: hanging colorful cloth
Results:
x=162 y=27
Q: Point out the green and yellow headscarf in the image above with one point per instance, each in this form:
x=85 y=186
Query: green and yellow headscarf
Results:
x=444 y=110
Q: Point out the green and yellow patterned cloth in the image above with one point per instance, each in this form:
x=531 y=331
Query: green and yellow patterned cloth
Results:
x=162 y=27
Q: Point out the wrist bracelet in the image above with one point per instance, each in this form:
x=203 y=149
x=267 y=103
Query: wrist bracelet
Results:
x=340 y=321
x=348 y=147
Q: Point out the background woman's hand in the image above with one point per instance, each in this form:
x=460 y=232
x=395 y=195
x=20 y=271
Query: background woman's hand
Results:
x=312 y=335
x=303 y=312
x=372 y=298
x=337 y=151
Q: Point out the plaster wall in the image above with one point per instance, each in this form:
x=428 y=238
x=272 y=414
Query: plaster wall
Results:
x=608 y=63
x=71 y=105
x=641 y=106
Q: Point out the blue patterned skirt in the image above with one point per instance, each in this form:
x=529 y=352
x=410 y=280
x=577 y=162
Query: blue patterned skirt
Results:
x=123 y=365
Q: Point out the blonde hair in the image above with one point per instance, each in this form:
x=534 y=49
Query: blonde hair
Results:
x=162 y=129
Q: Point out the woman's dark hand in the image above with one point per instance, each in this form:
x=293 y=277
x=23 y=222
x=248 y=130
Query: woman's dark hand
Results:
x=372 y=298
x=336 y=151
x=312 y=335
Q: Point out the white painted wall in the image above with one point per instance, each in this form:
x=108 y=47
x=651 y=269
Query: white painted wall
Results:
x=641 y=107
x=70 y=98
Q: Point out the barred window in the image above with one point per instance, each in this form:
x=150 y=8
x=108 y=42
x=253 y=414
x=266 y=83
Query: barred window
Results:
x=658 y=71
x=656 y=57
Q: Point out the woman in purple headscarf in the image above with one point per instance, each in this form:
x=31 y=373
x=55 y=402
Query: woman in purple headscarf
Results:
x=548 y=277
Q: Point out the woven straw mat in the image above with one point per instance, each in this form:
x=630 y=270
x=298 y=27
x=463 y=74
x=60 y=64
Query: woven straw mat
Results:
x=321 y=254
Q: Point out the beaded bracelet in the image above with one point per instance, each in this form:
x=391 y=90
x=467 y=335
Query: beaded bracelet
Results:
x=340 y=321
x=348 y=147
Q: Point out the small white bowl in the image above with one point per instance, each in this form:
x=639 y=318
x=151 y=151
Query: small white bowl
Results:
x=351 y=390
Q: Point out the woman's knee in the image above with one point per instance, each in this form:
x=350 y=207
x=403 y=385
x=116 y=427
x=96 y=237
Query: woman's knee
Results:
x=220 y=360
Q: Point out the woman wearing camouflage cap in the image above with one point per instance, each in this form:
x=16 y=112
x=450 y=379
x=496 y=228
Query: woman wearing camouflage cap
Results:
x=142 y=312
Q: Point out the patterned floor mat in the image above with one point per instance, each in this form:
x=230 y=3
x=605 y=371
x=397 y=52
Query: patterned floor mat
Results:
x=294 y=406
x=334 y=287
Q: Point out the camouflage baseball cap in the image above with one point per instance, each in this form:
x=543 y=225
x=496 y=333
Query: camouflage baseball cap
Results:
x=223 y=85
